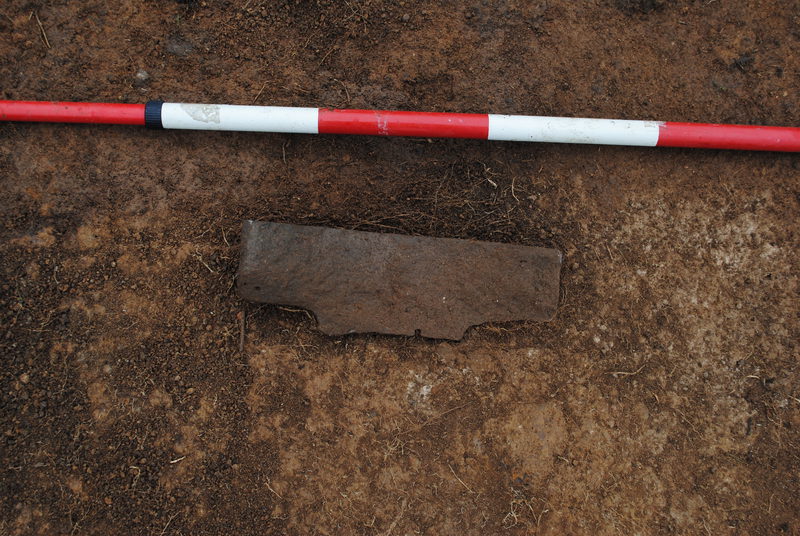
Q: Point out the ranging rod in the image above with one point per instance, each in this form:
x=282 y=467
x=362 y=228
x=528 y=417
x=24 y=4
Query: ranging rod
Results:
x=296 y=120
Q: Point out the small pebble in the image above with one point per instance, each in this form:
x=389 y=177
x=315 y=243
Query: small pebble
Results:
x=142 y=78
x=25 y=378
x=179 y=47
x=406 y=17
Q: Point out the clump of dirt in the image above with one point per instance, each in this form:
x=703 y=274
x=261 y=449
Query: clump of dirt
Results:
x=141 y=395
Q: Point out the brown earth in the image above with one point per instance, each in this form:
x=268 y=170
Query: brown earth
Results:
x=662 y=399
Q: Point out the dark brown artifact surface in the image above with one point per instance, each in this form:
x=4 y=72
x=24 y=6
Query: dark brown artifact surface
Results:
x=357 y=281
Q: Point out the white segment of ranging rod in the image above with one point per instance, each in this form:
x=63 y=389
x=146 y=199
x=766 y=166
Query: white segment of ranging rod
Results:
x=573 y=130
x=240 y=118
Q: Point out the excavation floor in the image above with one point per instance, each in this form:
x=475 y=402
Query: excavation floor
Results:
x=140 y=395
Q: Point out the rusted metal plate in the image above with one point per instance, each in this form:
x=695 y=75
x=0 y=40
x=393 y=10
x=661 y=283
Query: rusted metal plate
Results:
x=387 y=283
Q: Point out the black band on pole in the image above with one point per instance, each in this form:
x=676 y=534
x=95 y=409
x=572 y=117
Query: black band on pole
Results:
x=152 y=114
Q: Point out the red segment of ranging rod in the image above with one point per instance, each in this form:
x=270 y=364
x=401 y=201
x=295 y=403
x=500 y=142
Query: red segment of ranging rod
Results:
x=386 y=123
x=72 y=112
x=742 y=137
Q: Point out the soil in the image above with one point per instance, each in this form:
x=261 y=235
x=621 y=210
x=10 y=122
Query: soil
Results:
x=662 y=399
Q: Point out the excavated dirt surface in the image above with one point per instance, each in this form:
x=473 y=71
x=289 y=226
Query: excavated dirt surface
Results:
x=662 y=399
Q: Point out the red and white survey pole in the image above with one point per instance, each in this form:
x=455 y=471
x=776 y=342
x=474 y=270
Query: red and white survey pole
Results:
x=157 y=114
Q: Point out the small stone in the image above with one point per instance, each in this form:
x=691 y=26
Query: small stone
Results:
x=179 y=47
x=142 y=78
x=107 y=500
x=25 y=378
x=406 y=17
